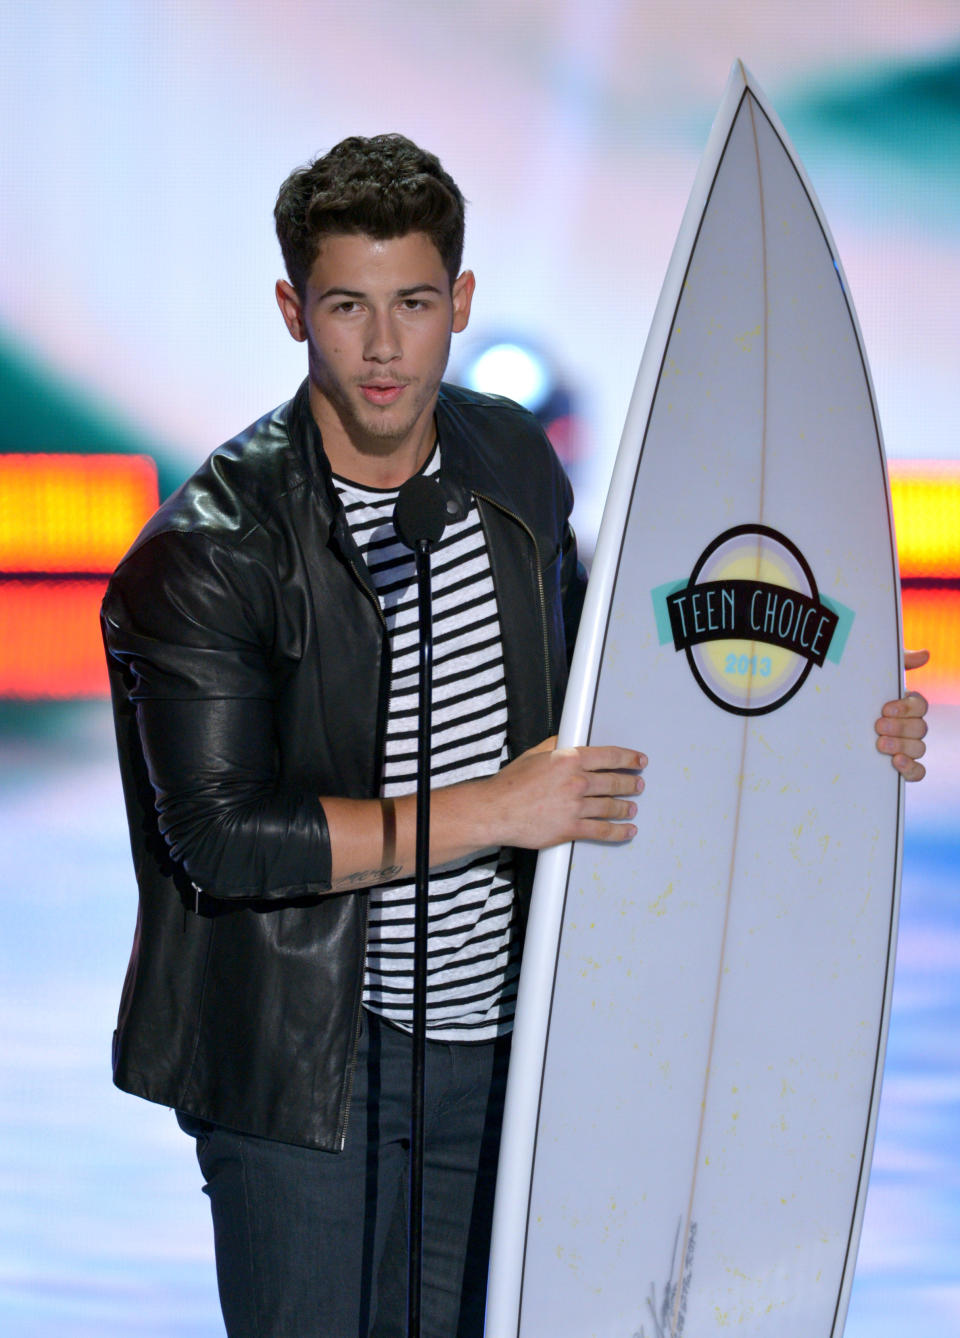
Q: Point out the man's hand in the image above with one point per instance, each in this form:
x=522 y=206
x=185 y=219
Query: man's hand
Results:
x=542 y=798
x=549 y=795
x=901 y=727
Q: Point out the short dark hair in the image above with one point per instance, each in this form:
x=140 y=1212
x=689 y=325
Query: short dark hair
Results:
x=382 y=187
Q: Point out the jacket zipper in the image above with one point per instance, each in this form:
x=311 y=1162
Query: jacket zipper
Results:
x=352 y=1066
x=512 y=515
x=370 y=593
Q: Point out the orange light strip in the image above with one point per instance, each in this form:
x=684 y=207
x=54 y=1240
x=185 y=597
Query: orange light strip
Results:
x=72 y=513
x=926 y=508
x=931 y=621
x=50 y=644
x=66 y=513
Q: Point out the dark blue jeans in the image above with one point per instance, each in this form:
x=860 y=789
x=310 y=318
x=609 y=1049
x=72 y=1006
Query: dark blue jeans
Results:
x=312 y=1244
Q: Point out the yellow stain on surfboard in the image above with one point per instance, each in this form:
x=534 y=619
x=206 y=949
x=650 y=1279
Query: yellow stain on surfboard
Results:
x=658 y=906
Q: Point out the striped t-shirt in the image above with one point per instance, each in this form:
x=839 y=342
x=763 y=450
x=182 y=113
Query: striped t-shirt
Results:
x=473 y=939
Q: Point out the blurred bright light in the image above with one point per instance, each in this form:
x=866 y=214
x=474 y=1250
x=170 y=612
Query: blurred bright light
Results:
x=926 y=506
x=512 y=370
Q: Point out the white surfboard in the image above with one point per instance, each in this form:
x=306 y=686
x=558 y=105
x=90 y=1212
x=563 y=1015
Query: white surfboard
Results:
x=702 y=1014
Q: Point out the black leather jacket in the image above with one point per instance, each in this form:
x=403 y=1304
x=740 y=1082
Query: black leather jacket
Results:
x=248 y=658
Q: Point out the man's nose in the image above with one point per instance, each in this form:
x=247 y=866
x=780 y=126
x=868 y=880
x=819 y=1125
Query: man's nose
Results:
x=383 y=341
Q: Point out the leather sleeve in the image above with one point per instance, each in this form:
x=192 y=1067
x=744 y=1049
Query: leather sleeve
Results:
x=573 y=576
x=191 y=622
x=573 y=587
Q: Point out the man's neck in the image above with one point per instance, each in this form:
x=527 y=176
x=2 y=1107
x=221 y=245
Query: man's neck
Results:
x=379 y=469
x=374 y=462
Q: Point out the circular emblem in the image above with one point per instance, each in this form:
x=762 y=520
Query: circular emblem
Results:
x=750 y=620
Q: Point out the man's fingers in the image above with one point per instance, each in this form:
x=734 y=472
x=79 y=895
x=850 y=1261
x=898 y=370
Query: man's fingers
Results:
x=598 y=757
x=616 y=810
x=913 y=704
x=593 y=830
x=901 y=747
x=909 y=768
x=612 y=783
x=914 y=659
x=901 y=727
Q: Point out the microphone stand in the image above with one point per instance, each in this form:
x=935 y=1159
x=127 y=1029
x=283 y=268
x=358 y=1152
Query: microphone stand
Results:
x=419 y=520
x=420 y=913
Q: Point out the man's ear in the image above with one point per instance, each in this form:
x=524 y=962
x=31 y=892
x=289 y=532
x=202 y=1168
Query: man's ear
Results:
x=463 y=289
x=291 y=308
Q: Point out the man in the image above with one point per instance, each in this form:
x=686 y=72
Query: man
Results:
x=261 y=636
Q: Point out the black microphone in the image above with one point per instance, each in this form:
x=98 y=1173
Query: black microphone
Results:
x=420 y=515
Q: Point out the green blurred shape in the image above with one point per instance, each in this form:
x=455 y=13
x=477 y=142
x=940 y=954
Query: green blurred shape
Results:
x=40 y=412
x=910 y=110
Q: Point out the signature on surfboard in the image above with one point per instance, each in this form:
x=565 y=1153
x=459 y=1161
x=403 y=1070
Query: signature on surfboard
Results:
x=670 y=1313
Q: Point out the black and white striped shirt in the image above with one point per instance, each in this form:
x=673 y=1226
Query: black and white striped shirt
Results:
x=473 y=938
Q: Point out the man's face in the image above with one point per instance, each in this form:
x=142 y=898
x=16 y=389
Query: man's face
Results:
x=377 y=317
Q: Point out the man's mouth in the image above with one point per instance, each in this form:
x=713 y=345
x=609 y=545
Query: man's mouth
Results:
x=382 y=392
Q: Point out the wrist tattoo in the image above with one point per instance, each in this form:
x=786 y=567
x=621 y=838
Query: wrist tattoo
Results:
x=364 y=877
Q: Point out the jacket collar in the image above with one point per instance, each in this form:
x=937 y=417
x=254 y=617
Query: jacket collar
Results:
x=468 y=463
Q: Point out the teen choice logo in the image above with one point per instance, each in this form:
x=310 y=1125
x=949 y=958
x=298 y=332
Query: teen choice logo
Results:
x=751 y=620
